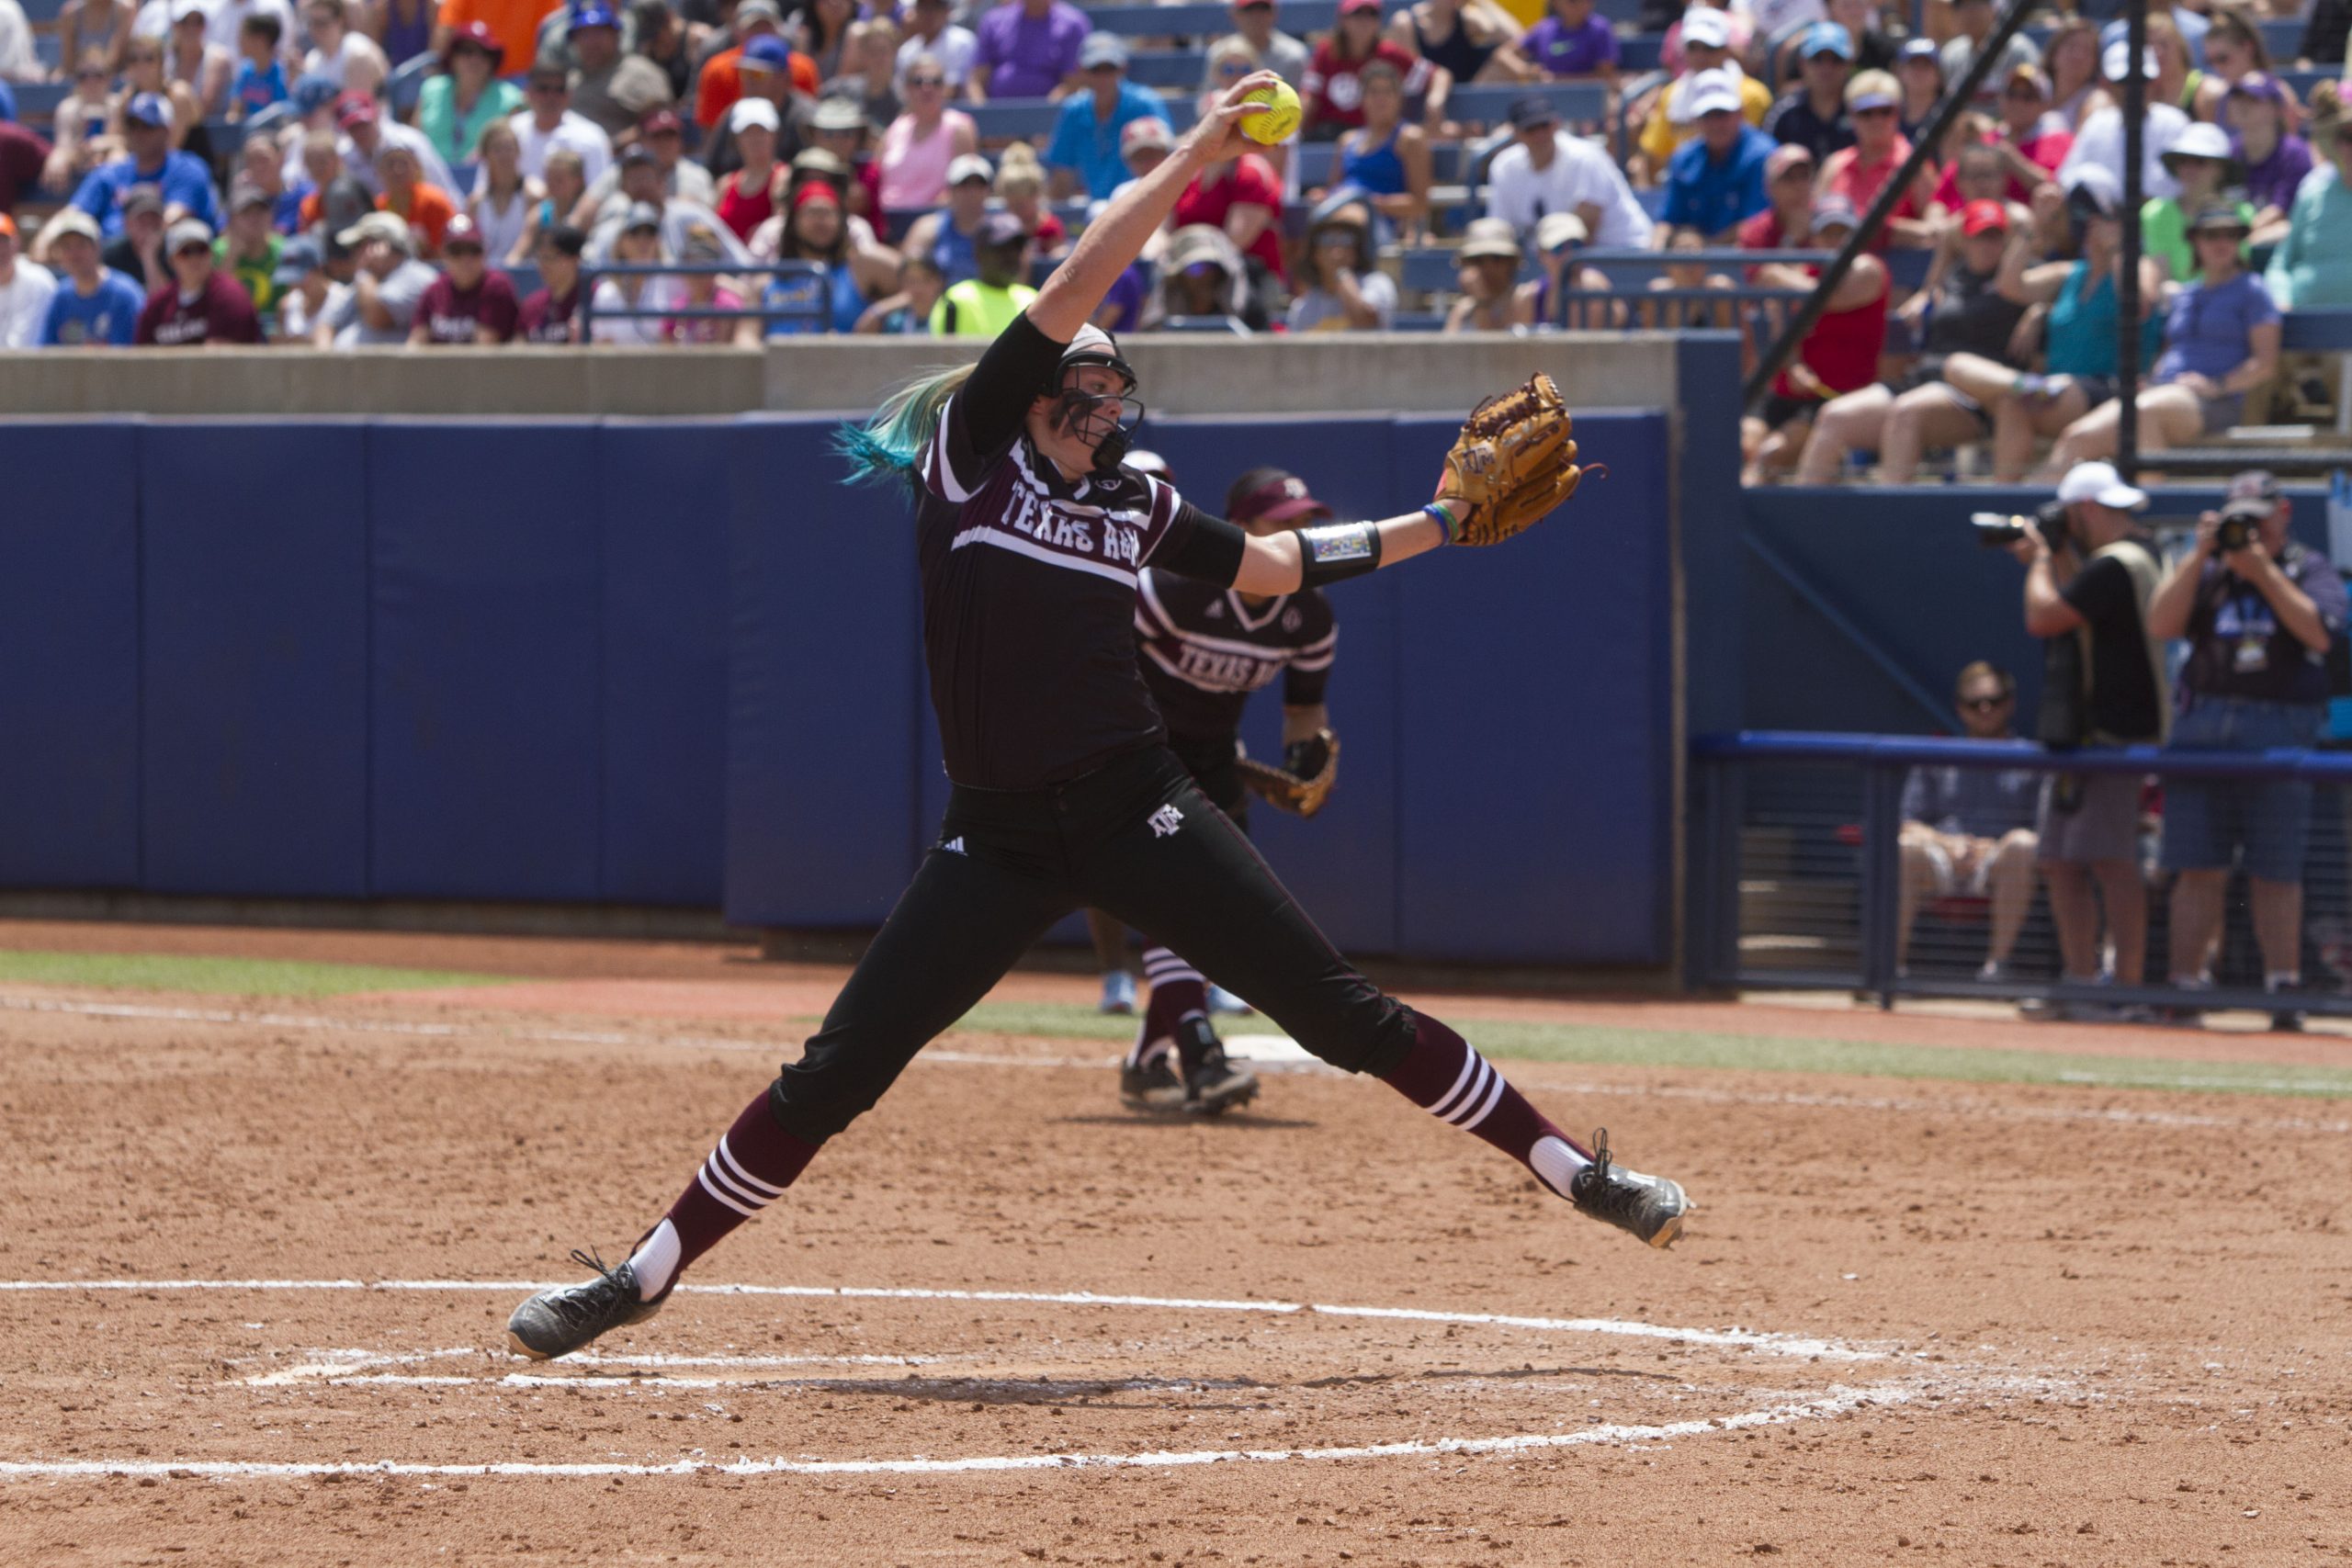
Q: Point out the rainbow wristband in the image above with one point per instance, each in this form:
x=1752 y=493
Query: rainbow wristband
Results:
x=1444 y=521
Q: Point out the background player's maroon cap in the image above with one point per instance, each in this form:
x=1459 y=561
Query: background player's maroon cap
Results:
x=1272 y=495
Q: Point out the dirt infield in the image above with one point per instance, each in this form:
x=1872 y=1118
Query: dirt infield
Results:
x=255 y=1256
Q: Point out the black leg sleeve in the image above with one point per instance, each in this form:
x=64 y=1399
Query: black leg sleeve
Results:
x=959 y=927
x=1193 y=882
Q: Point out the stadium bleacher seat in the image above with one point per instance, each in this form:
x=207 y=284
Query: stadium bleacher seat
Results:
x=36 y=101
x=1032 y=119
x=41 y=13
x=1577 y=102
x=405 y=86
x=1168 y=68
x=1206 y=19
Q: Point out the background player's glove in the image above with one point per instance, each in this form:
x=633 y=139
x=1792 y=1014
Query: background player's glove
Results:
x=1514 y=461
x=1305 y=782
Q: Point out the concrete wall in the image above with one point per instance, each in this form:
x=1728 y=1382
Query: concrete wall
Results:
x=1182 y=374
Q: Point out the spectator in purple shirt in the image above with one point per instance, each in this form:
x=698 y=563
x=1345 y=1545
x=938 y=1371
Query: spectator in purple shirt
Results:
x=1028 y=48
x=1567 y=40
x=2275 y=160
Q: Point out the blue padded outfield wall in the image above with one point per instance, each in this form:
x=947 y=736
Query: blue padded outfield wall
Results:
x=673 y=663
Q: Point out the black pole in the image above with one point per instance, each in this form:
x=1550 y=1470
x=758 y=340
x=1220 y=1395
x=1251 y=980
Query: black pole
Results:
x=1889 y=195
x=2127 y=288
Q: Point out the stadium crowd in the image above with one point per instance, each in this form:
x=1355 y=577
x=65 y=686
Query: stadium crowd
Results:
x=386 y=171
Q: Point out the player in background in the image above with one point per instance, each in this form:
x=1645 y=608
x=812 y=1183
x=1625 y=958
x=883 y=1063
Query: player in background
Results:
x=1205 y=648
x=1029 y=537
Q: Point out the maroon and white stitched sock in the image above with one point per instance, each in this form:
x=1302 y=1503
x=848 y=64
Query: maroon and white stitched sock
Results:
x=1445 y=1076
x=754 y=1162
x=1178 y=992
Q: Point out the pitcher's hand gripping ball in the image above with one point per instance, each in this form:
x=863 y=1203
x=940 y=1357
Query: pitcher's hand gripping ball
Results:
x=1281 y=117
x=1514 y=461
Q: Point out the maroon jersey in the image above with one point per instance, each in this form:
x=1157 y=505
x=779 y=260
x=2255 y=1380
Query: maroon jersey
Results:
x=453 y=316
x=1029 y=583
x=223 y=312
x=546 y=319
x=1206 y=650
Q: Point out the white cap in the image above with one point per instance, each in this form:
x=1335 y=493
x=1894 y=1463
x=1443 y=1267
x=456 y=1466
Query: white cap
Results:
x=2100 y=482
x=753 y=111
x=1708 y=92
x=1704 y=24
x=969 y=166
x=2201 y=139
x=2115 y=61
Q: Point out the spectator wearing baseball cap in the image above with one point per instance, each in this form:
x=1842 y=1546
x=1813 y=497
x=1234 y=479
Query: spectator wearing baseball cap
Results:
x=23 y=158
x=26 y=288
x=1787 y=223
x=1707 y=37
x=663 y=134
x=1027 y=49
x=549 y=121
x=305 y=291
x=927 y=142
x=2261 y=613
x=471 y=302
x=1716 y=178
x=613 y=89
x=1545 y=169
x=1487 y=277
x=747 y=196
x=93 y=306
x=1918 y=71
x=460 y=103
x=385 y=288
x=1085 y=156
x=722 y=74
x=2099 y=138
x=1812 y=115
x=2274 y=158
x=1840 y=355
x=984 y=305
x=138 y=251
x=1860 y=170
x=248 y=249
x=1970 y=319
x=1331 y=93
x=2028 y=139
x=181 y=179
x=1567 y=43
x=203 y=306
x=2312 y=264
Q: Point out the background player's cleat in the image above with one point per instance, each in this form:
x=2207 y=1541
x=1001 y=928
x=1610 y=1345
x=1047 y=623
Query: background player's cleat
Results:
x=1222 y=1001
x=1154 y=1087
x=1216 y=1084
x=1118 y=994
x=561 y=1319
x=1649 y=1207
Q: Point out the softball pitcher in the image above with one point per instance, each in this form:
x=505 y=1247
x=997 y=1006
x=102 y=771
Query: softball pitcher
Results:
x=1031 y=538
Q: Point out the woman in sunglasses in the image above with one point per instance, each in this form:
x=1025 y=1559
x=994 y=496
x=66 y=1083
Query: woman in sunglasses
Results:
x=922 y=142
x=1031 y=537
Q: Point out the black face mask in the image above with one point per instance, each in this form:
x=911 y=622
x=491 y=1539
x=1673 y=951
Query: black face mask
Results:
x=1106 y=423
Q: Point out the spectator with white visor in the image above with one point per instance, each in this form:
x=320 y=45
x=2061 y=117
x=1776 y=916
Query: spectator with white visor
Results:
x=2260 y=611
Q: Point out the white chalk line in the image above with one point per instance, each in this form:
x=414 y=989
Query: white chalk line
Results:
x=948 y=1056
x=350 y=1365
x=1834 y=1402
x=1728 y=1338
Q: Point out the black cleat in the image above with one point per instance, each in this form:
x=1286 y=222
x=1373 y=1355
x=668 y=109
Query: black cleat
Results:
x=562 y=1318
x=1152 y=1088
x=1649 y=1207
x=1214 y=1085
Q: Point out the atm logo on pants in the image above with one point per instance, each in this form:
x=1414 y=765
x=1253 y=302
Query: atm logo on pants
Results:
x=1164 y=821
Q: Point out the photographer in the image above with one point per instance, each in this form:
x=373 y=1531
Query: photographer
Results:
x=2259 y=611
x=2090 y=575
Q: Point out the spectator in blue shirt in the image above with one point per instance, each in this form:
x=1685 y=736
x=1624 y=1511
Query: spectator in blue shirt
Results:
x=94 y=306
x=185 y=182
x=1716 y=178
x=1085 y=153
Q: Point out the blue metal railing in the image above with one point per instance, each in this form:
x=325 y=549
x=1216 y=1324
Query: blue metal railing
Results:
x=1795 y=868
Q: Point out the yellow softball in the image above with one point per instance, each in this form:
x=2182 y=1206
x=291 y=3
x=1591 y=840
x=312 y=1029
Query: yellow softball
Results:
x=1279 y=121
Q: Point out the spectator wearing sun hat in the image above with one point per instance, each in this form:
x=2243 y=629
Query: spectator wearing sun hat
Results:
x=458 y=103
x=206 y=307
x=1487 y=277
x=2201 y=164
x=1813 y=114
x=1084 y=157
x=385 y=286
x=181 y=178
x=1718 y=177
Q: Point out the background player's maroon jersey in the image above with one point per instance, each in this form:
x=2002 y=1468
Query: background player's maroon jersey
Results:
x=1206 y=650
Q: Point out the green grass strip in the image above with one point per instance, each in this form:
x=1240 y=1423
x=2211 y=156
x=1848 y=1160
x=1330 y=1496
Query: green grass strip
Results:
x=1763 y=1054
x=222 y=977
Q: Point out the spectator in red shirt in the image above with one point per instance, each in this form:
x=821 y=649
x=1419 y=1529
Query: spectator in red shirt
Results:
x=1839 y=354
x=1878 y=149
x=1787 y=224
x=747 y=196
x=200 y=306
x=2030 y=144
x=1242 y=196
x=1331 y=98
x=548 y=315
x=468 y=302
